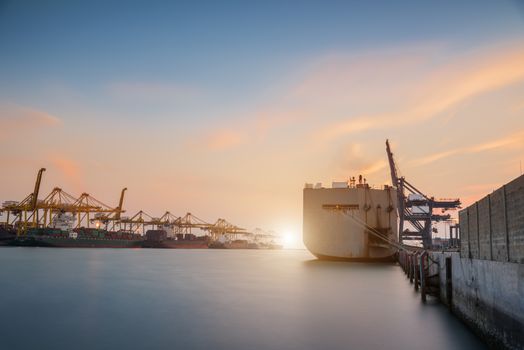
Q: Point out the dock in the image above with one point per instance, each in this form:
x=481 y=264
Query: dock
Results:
x=482 y=281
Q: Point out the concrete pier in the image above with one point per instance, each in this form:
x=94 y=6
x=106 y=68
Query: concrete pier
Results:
x=487 y=295
x=483 y=282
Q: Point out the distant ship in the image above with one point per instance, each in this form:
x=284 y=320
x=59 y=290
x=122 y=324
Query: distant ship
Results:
x=165 y=238
x=350 y=221
x=61 y=234
x=77 y=238
x=6 y=235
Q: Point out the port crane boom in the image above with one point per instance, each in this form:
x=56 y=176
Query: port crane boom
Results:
x=416 y=209
x=25 y=213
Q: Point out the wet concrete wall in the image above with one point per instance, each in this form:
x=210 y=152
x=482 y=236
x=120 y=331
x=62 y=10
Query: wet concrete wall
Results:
x=487 y=295
x=488 y=273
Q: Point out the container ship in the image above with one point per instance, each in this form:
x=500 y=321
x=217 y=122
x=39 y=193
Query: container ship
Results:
x=347 y=221
x=245 y=244
x=61 y=234
x=6 y=235
x=166 y=239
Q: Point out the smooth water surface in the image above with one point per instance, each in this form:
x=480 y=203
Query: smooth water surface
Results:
x=213 y=299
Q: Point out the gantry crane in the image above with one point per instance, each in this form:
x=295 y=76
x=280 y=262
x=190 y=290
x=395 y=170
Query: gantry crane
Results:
x=137 y=223
x=416 y=209
x=189 y=222
x=224 y=228
x=34 y=213
x=56 y=203
x=106 y=215
x=25 y=213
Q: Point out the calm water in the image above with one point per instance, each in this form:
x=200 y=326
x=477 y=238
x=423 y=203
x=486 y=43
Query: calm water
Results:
x=212 y=299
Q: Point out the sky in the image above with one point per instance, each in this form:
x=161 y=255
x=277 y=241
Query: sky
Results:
x=226 y=108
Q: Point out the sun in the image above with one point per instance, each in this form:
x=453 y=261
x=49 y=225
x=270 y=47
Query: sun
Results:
x=290 y=239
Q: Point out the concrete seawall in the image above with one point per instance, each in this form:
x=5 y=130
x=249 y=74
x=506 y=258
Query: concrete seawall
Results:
x=487 y=275
x=487 y=295
x=493 y=227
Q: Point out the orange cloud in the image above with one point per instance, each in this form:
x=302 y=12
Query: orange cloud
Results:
x=348 y=127
x=374 y=167
x=70 y=169
x=440 y=90
x=252 y=128
x=17 y=119
x=515 y=140
x=224 y=139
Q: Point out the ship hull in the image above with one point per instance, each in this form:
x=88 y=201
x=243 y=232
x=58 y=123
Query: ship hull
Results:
x=167 y=244
x=342 y=223
x=63 y=242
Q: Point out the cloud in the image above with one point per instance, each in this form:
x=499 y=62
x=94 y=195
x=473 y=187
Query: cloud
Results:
x=347 y=127
x=150 y=91
x=515 y=140
x=354 y=159
x=437 y=90
x=374 y=167
x=18 y=119
x=379 y=90
x=70 y=169
x=224 y=139
x=250 y=128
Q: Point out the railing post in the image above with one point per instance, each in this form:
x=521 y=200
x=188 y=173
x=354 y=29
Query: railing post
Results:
x=416 y=271
x=411 y=268
x=449 y=286
x=423 y=276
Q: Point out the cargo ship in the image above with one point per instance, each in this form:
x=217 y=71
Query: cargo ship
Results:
x=350 y=221
x=223 y=243
x=163 y=239
x=77 y=238
x=61 y=234
x=7 y=235
x=234 y=244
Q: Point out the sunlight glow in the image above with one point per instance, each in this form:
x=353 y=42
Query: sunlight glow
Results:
x=290 y=239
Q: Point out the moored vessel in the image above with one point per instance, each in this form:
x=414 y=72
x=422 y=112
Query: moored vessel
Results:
x=77 y=238
x=163 y=239
x=350 y=221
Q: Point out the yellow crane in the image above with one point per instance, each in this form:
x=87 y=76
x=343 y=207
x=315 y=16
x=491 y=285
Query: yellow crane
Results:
x=55 y=203
x=137 y=223
x=224 y=228
x=141 y=220
x=25 y=213
x=189 y=222
x=106 y=214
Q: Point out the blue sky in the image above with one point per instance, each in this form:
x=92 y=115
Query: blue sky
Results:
x=223 y=48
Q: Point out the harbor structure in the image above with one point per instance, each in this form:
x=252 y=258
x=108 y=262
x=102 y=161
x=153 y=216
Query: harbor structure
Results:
x=482 y=280
x=63 y=220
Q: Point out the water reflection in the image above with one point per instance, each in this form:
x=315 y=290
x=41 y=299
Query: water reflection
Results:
x=160 y=299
